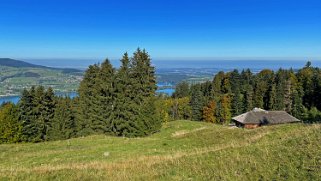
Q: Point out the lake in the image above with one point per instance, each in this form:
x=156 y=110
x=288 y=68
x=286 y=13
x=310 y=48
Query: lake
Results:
x=15 y=99
x=168 y=91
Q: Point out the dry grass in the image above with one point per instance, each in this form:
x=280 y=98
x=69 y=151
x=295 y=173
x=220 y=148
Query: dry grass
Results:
x=182 y=133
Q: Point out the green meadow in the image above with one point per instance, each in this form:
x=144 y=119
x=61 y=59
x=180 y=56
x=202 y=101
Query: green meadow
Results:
x=182 y=150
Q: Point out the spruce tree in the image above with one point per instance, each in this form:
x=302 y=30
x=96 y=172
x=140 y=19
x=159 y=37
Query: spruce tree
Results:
x=88 y=103
x=305 y=77
x=10 y=128
x=122 y=109
x=106 y=98
x=48 y=112
x=248 y=98
x=297 y=107
x=263 y=82
x=217 y=84
x=197 y=103
x=28 y=116
x=63 y=123
x=225 y=111
x=271 y=97
x=280 y=90
x=181 y=90
x=142 y=76
x=237 y=98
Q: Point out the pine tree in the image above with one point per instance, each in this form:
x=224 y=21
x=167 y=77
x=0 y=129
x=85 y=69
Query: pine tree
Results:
x=237 y=98
x=248 y=98
x=36 y=110
x=226 y=84
x=262 y=84
x=280 y=90
x=49 y=104
x=217 y=84
x=88 y=103
x=237 y=105
x=184 y=109
x=28 y=116
x=142 y=76
x=197 y=103
x=207 y=90
x=305 y=77
x=297 y=107
x=106 y=98
x=63 y=125
x=122 y=109
x=271 y=97
x=225 y=111
x=246 y=88
x=316 y=79
x=10 y=128
x=181 y=90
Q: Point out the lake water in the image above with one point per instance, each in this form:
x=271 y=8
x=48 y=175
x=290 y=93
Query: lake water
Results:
x=15 y=99
x=166 y=91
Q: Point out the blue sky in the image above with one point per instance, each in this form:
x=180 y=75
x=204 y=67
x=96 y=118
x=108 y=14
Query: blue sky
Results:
x=168 y=29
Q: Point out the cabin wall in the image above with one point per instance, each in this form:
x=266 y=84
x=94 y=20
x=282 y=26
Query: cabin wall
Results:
x=251 y=126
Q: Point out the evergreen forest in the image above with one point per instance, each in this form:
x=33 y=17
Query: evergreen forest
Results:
x=229 y=94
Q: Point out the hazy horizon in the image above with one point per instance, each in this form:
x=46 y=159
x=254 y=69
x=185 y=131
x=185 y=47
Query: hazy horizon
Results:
x=161 y=64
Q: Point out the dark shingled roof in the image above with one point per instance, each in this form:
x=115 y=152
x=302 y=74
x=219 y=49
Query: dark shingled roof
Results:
x=262 y=117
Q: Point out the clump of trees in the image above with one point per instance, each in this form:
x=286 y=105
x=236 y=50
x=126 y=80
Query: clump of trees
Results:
x=119 y=102
x=232 y=93
x=114 y=102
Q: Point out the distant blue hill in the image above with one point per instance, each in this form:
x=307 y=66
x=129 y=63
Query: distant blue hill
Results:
x=21 y=64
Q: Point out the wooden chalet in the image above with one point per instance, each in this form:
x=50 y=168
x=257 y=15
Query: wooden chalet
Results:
x=259 y=117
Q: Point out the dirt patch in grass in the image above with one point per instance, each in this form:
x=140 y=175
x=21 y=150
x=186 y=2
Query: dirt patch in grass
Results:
x=183 y=133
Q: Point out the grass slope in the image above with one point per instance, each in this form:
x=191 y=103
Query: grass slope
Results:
x=183 y=150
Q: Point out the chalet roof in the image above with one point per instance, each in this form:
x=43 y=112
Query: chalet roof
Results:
x=260 y=116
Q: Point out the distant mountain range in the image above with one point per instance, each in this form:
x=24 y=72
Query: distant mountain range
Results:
x=21 y=64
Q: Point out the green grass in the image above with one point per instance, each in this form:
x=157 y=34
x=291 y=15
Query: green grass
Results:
x=183 y=150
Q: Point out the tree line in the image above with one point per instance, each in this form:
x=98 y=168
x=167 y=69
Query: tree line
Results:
x=122 y=102
x=113 y=102
x=297 y=92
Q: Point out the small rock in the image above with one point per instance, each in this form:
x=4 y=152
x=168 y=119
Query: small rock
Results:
x=106 y=154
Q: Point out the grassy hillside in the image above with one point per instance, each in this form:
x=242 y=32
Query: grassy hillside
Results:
x=183 y=150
